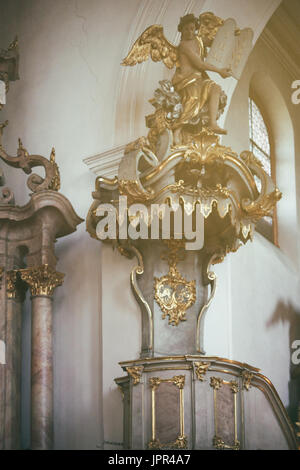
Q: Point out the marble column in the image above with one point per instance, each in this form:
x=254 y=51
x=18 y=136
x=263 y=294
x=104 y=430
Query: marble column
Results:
x=12 y=377
x=42 y=281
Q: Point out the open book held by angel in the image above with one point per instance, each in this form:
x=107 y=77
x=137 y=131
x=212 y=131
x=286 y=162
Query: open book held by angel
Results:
x=196 y=91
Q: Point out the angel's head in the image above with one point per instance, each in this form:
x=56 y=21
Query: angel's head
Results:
x=188 y=25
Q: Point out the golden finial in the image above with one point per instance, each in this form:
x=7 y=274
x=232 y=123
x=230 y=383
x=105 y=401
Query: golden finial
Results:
x=52 y=155
x=21 y=147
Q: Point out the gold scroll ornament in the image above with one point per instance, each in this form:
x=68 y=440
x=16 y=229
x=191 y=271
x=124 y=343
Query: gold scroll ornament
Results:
x=173 y=293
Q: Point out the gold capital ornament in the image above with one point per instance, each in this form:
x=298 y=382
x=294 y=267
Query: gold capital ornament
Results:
x=42 y=280
x=15 y=288
x=135 y=373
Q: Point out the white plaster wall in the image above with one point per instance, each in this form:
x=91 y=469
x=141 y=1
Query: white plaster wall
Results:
x=74 y=95
x=264 y=279
x=70 y=55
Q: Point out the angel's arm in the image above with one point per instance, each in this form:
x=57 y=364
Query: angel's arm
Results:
x=197 y=62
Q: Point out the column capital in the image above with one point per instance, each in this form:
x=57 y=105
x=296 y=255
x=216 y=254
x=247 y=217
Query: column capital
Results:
x=15 y=288
x=42 y=280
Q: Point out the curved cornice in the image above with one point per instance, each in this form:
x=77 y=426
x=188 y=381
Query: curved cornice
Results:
x=40 y=201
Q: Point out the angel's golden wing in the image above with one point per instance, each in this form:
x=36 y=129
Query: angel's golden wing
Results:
x=209 y=25
x=152 y=43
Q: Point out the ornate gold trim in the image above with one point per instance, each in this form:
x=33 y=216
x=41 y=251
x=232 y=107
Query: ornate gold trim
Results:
x=179 y=443
x=173 y=293
x=135 y=373
x=42 y=280
x=11 y=284
x=234 y=386
x=219 y=444
x=216 y=384
x=26 y=162
x=246 y=378
x=55 y=182
x=212 y=279
x=15 y=288
x=145 y=308
x=178 y=380
x=201 y=369
x=191 y=357
x=181 y=440
x=159 y=369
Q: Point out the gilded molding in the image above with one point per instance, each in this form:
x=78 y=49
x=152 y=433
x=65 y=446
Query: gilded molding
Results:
x=211 y=279
x=147 y=315
x=201 y=369
x=178 y=380
x=181 y=440
x=42 y=280
x=135 y=373
x=246 y=378
x=218 y=442
x=137 y=144
x=134 y=191
x=179 y=443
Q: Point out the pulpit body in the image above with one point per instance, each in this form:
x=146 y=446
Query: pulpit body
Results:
x=180 y=203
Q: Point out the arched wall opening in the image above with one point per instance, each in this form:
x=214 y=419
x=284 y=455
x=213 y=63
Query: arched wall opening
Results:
x=281 y=128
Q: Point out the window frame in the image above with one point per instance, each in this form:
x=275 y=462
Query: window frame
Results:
x=263 y=229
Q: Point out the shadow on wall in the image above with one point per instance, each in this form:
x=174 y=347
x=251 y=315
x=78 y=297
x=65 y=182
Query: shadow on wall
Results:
x=287 y=313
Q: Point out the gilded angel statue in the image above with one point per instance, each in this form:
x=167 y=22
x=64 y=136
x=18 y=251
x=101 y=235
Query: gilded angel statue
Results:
x=202 y=100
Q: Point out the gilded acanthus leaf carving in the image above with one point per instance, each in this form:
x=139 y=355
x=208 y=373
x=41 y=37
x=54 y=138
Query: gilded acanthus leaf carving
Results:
x=216 y=382
x=234 y=386
x=218 y=443
x=201 y=369
x=42 y=280
x=135 y=373
x=178 y=380
x=179 y=443
x=246 y=378
x=263 y=206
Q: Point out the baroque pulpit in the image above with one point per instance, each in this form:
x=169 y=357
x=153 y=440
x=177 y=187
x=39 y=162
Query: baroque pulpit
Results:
x=180 y=203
